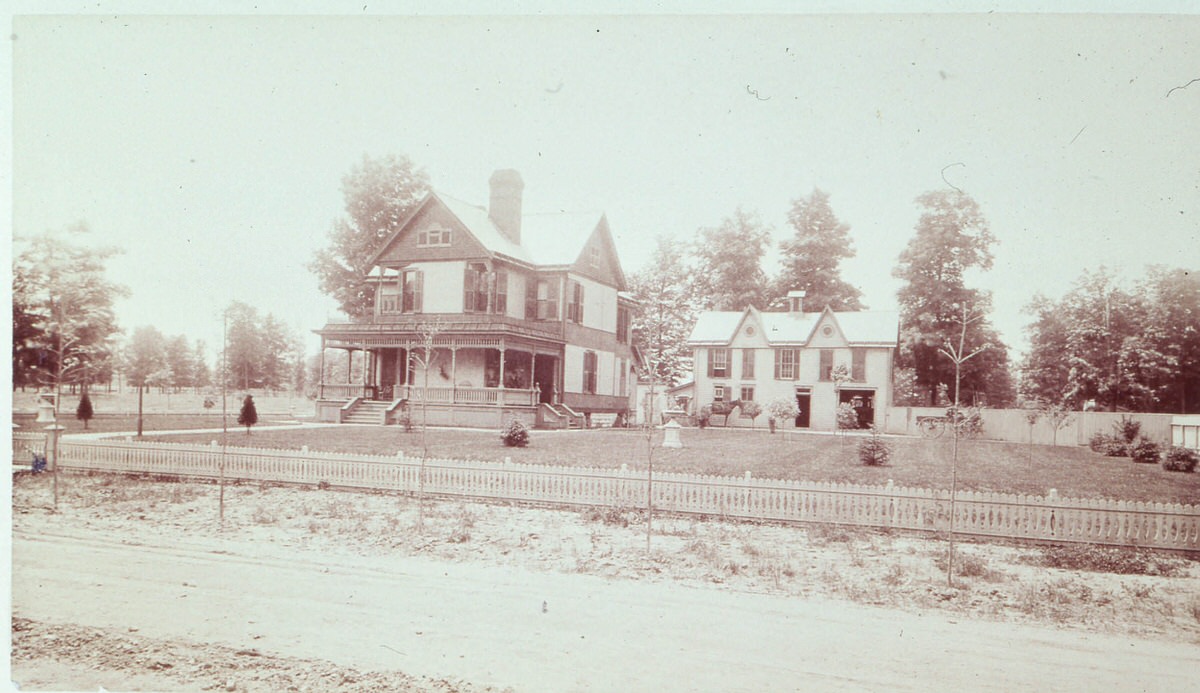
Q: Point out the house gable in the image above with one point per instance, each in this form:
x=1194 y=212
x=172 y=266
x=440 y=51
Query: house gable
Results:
x=598 y=260
x=827 y=333
x=445 y=238
x=749 y=333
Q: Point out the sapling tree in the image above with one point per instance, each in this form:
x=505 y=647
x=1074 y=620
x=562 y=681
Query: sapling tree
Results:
x=782 y=409
x=1031 y=417
x=1058 y=416
x=425 y=355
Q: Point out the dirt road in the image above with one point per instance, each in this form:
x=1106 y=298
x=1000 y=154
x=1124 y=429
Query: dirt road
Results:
x=537 y=631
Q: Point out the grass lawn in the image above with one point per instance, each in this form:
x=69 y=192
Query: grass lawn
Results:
x=916 y=462
x=103 y=423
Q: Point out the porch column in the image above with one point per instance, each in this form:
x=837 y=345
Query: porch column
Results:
x=321 y=373
x=500 y=399
x=453 y=371
x=533 y=377
x=349 y=365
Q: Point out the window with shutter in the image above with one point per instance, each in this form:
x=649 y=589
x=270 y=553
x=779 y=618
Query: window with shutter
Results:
x=858 y=367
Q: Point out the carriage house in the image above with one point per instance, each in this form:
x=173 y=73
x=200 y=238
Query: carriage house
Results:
x=525 y=314
x=759 y=356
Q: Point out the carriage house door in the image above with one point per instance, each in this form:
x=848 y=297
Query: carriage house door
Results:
x=804 y=401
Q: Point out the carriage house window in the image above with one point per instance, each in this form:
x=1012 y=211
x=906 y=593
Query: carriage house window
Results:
x=747 y=393
x=747 y=363
x=589 y=372
x=541 y=299
x=410 y=290
x=718 y=363
x=826 y=365
x=433 y=237
x=575 y=302
x=858 y=364
x=718 y=393
x=787 y=364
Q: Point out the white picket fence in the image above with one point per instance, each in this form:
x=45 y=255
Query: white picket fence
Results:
x=1100 y=521
x=25 y=444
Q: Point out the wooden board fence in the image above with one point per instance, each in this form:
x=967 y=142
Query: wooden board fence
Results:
x=1101 y=521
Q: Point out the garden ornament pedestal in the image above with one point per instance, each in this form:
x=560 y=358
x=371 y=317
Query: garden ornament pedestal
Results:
x=671 y=434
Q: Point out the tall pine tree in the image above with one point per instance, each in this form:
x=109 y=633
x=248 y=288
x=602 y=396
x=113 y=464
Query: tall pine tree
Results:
x=813 y=255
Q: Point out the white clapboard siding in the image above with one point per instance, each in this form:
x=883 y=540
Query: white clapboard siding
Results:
x=1013 y=516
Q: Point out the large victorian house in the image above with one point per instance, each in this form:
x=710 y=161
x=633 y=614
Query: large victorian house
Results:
x=759 y=356
x=524 y=316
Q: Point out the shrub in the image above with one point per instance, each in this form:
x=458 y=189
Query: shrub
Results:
x=515 y=434
x=847 y=416
x=1145 y=451
x=783 y=409
x=1180 y=459
x=874 y=450
x=1109 y=559
x=751 y=409
x=1110 y=446
x=1128 y=429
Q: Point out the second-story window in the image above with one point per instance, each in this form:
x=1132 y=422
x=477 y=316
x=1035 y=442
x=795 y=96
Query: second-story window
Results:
x=575 y=302
x=747 y=363
x=622 y=325
x=718 y=363
x=858 y=364
x=484 y=291
x=411 y=290
x=826 y=365
x=541 y=299
x=787 y=364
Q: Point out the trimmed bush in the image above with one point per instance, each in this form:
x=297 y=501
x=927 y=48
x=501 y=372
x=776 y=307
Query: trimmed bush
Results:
x=847 y=417
x=1109 y=446
x=782 y=409
x=874 y=450
x=515 y=434
x=1180 y=459
x=84 y=411
x=1145 y=451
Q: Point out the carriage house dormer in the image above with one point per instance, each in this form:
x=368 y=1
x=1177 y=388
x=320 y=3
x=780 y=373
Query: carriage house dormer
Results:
x=527 y=309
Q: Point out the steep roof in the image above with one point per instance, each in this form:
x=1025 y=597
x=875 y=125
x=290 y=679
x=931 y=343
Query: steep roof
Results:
x=875 y=327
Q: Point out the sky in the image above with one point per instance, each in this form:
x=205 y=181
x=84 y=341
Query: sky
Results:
x=212 y=148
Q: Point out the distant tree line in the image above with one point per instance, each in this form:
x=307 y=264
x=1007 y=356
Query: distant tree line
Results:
x=1133 y=347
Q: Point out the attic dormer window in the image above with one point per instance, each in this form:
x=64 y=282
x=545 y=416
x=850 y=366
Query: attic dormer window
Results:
x=594 y=257
x=434 y=237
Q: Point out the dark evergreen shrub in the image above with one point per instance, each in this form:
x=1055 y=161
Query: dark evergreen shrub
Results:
x=248 y=416
x=1180 y=459
x=515 y=434
x=84 y=411
x=1145 y=451
x=874 y=450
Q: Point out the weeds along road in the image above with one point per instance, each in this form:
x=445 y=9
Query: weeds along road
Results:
x=556 y=632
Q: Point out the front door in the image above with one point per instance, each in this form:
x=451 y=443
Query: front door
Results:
x=803 y=401
x=544 y=377
x=387 y=373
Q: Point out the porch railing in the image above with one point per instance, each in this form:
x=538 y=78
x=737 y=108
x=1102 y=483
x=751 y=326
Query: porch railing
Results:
x=346 y=391
x=468 y=395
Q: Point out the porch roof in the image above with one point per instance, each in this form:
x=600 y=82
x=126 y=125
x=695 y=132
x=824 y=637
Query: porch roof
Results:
x=467 y=331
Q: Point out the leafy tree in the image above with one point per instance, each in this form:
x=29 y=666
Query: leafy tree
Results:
x=1171 y=301
x=146 y=357
x=952 y=237
x=248 y=416
x=782 y=409
x=244 y=347
x=276 y=357
x=179 y=363
x=729 y=274
x=201 y=375
x=667 y=312
x=63 y=317
x=812 y=257
x=1044 y=371
x=379 y=195
x=84 y=411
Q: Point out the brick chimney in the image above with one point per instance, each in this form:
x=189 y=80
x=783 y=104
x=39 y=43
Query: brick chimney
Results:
x=505 y=205
x=795 y=302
